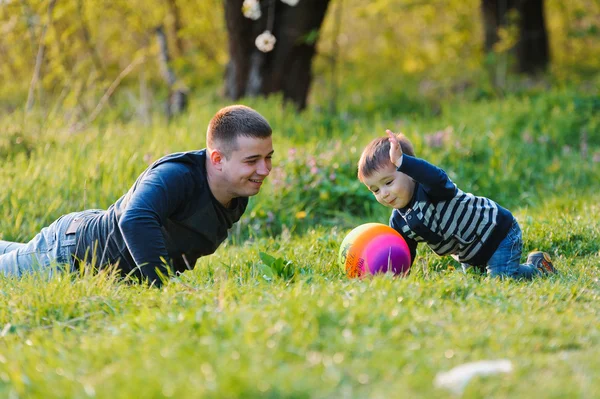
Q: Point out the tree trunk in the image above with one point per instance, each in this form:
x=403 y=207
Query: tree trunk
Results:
x=531 y=49
x=177 y=102
x=287 y=68
x=176 y=26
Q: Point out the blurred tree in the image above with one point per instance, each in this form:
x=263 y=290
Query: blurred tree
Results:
x=39 y=59
x=283 y=65
x=531 y=49
x=178 y=96
x=96 y=58
x=176 y=27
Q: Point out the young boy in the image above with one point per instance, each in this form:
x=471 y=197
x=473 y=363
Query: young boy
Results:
x=428 y=207
x=179 y=209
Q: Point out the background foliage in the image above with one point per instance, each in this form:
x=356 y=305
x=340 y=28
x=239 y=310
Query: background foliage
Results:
x=88 y=44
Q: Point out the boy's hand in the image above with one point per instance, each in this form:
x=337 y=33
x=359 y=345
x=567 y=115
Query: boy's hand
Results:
x=395 y=148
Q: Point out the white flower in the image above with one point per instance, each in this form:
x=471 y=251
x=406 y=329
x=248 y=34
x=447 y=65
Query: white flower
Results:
x=265 y=41
x=290 y=3
x=251 y=9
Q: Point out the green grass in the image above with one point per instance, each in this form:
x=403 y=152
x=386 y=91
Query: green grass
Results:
x=229 y=328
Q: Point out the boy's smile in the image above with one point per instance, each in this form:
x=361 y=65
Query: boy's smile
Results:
x=391 y=188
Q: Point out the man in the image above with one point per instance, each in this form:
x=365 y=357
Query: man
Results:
x=178 y=210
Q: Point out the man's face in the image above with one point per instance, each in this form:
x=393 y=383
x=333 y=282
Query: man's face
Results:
x=248 y=166
x=391 y=188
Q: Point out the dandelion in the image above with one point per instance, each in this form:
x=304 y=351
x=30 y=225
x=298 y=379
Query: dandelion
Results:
x=290 y=3
x=251 y=9
x=300 y=215
x=265 y=41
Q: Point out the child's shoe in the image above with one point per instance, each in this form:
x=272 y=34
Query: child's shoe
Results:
x=541 y=261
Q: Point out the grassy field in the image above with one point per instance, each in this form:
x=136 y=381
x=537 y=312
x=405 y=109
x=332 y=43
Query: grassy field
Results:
x=235 y=327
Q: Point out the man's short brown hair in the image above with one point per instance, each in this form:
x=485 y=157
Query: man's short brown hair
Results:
x=234 y=121
x=376 y=155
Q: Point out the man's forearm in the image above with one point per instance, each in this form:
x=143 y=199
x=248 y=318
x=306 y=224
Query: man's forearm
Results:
x=145 y=242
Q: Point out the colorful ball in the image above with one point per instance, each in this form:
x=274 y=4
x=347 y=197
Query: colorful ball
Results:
x=373 y=248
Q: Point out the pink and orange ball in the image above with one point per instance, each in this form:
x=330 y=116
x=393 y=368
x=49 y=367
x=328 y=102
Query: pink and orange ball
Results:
x=374 y=248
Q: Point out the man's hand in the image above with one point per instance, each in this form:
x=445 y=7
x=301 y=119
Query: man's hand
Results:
x=395 y=148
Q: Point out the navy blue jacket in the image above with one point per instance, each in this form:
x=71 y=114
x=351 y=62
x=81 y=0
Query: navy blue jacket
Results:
x=168 y=217
x=448 y=220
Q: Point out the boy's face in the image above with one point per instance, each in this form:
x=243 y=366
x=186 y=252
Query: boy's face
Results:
x=391 y=188
x=248 y=166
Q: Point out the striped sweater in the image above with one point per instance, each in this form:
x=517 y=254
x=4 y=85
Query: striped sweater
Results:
x=449 y=220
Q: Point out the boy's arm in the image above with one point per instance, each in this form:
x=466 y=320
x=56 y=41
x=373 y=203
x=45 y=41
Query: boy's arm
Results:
x=412 y=244
x=158 y=195
x=433 y=179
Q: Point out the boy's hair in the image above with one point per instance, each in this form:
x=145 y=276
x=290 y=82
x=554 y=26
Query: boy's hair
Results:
x=234 y=121
x=376 y=155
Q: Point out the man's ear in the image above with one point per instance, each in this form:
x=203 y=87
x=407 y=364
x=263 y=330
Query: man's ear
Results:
x=216 y=159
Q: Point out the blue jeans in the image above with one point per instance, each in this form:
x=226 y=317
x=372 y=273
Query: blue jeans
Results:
x=506 y=260
x=51 y=247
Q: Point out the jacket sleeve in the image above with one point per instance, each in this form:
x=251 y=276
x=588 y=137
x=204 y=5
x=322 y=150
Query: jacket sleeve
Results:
x=158 y=195
x=396 y=223
x=434 y=180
